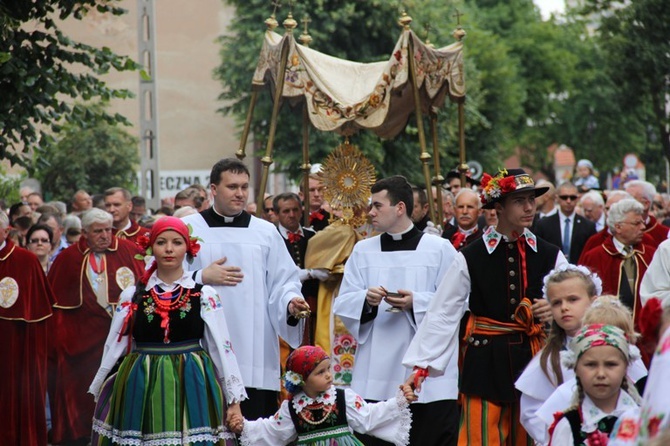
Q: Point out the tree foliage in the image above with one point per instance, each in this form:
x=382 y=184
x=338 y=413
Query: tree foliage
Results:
x=42 y=72
x=93 y=155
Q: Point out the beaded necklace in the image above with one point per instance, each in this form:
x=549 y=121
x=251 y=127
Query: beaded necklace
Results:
x=155 y=303
x=326 y=414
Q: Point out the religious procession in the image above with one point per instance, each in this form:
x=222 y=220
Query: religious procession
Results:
x=320 y=278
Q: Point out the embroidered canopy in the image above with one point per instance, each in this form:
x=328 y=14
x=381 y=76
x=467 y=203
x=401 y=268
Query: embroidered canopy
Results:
x=346 y=96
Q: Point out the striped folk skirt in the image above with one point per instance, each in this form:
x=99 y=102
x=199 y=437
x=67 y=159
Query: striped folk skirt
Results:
x=162 y=394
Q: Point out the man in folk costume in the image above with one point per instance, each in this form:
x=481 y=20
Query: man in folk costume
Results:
x=25 y=307
x=622 y=259
x=87 y=279
x=467 y=213
x=119 y=203
x=389 y=281
x=248 y=264
x=644 y=193
x=498 y=278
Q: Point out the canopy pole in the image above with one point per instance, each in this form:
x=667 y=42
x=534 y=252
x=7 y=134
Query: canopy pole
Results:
x=289 y=24
x=306 y=166
x=438 y=179
x=241 y=151
x=405 y=20
x=462 y=167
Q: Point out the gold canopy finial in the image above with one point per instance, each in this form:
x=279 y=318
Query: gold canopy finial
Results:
x=290 y=24
x=459 y=32
x=305 y=38
x=405 y=20
x=271 y=22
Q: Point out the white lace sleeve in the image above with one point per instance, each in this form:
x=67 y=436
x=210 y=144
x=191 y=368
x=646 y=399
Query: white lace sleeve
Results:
x=273 y=431
x=216 y=342
x=388 y=420
x=114 y=347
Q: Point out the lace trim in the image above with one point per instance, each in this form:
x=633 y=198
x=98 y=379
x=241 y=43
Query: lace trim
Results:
x=329 y=433
x=135 y=438
x=327 y=398
x=233 y=389
x=405 y=416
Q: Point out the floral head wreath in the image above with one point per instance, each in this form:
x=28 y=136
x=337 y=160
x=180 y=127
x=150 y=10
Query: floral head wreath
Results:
x=300 y=364
x=505 y=182
x=161 y=225
x=593 y=277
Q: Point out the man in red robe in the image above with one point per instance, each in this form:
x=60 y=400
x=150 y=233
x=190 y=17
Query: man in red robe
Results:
x=644 y=193
x=25 y=306
x=119 y=203
x=622 y=259
x=87 y=279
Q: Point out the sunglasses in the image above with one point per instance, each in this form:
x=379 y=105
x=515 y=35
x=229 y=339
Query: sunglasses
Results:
x=568 y=197
x=39 y=240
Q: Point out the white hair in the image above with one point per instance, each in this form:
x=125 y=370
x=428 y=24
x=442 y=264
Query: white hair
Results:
x=616 y=193
x=593 y=196
x=648 y=189
x=467 y=190
x=447 y=194
x=95 y=215
x=619 y=210
x=4 y=220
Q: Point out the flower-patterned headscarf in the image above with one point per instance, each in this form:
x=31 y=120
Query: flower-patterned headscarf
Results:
x=300 y=364
x=596 y=335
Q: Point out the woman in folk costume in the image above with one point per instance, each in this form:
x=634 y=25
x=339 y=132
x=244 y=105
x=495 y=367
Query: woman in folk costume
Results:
x=318 y=414
x=652 y=422
x=179 y=378
x=600 y=355
x=570 y=290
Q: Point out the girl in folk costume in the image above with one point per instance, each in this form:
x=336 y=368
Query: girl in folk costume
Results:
x=318 y=414
x=179 y=378
x=607 y=310
x=570 y=290
x=652 y=423
x=600 y=355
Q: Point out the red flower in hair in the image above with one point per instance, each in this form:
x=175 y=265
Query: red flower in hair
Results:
x=194 y=247
x=485 y=179
x=508 y=185
x=143 y=242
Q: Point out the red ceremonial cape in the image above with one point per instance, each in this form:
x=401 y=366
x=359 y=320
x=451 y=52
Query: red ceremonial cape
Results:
x=80 y=328
x=656 y=231
x=25 y=306
x=132 y=232
x=608 y=263
x=599 y=238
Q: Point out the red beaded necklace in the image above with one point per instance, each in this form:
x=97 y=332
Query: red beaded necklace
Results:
x=163 y=307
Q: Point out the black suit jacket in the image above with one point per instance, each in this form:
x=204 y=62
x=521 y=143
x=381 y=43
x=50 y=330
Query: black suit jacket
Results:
x=549 y=228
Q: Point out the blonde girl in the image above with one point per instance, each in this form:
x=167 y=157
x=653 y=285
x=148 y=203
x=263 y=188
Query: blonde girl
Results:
x=570 y=290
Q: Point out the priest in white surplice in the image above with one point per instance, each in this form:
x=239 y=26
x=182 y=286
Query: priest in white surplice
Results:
x=405 y=261
x=257 y=280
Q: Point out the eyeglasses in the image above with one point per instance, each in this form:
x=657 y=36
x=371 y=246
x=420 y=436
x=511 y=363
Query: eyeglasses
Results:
x=634 y=223
x=35 y=241
x=267 y=210
x=568 y=197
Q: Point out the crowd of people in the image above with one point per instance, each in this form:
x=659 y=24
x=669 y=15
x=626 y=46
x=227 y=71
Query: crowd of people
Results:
x=533 y=313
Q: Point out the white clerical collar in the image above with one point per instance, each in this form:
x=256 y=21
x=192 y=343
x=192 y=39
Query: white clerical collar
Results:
x=620 y=246
x=226 y=218
x=563 y=216
x=284 y=232
x=185 y=281
x=398 y=236
x=468 y=232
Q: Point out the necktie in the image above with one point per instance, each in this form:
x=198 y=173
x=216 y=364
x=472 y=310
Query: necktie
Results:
x=566 y=239
x=294 y=237
x=629 y=268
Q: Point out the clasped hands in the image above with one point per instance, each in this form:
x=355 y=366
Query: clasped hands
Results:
x=375 y=295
